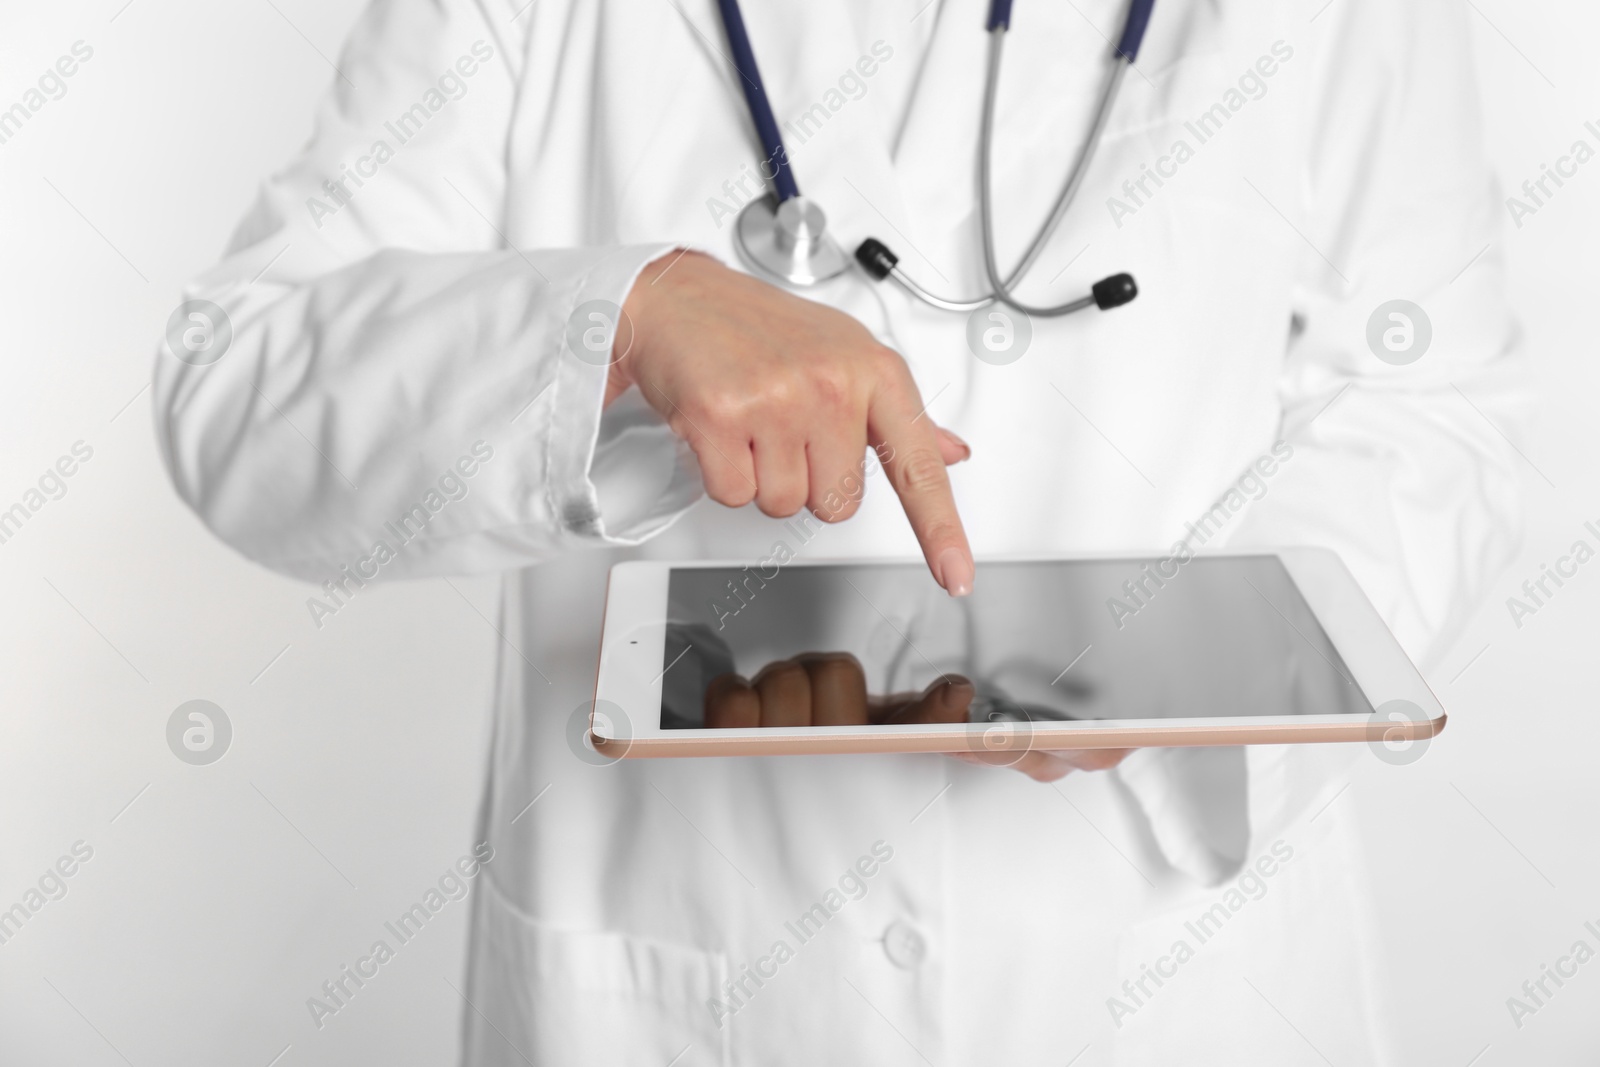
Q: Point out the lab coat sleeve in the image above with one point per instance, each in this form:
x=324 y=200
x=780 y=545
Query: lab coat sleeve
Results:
x=1408 y=471
x=398 y=374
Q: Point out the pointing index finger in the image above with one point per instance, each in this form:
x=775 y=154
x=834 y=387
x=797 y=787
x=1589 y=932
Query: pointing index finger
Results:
x=910 y=453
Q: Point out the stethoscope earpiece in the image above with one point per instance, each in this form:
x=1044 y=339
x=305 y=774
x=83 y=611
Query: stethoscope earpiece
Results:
x=876 y=259
x=1114 y=291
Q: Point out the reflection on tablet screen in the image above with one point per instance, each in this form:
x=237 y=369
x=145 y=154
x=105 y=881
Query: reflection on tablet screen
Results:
x=1061 y=640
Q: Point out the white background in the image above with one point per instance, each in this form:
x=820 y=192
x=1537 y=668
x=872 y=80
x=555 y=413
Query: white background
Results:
x=222 y=896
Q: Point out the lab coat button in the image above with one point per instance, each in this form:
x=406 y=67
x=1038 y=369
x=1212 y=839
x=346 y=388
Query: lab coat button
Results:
x=904 y=945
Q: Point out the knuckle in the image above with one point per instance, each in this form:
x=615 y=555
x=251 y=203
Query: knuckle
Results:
x=940 y=532
x=780 y=392
x=833 y=385
x=891 y=374
x=885 y=359
x=721 y=409
x=919 y=471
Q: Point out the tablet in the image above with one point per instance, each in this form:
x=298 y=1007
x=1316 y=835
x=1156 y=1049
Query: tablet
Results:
x=788 y=656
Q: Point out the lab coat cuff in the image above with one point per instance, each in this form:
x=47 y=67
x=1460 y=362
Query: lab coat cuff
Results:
x=616 y=475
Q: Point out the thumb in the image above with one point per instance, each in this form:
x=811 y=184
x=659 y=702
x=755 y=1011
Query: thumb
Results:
x=947 y=699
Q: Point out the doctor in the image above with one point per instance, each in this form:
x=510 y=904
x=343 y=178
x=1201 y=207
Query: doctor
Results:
x=485 y=174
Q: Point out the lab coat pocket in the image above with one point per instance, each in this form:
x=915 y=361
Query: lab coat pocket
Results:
x=542 y=995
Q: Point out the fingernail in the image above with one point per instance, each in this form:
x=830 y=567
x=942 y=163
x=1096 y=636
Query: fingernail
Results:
x=966 y=448
x=954 y=571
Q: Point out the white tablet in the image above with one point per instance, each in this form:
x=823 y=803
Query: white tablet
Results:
x=1097 y=651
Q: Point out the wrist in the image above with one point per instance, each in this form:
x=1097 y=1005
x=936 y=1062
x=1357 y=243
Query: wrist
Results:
x=633 y=329
x=625 y=342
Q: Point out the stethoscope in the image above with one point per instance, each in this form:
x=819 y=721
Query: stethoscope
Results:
x=784 y=236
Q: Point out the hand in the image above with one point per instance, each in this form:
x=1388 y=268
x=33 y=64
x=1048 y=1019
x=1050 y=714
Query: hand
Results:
x=830 y=689
x=780 y=397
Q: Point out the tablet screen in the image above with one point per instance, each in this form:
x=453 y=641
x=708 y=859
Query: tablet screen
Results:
x=1037 y=641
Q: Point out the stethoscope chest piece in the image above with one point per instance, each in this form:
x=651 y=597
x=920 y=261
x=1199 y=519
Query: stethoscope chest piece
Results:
x=788 y=242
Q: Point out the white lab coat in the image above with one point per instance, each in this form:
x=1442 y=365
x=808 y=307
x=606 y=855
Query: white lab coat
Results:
x=379 y=334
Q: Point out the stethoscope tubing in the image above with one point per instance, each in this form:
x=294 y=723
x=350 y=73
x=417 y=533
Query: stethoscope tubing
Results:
x=1001 y=289
x=755 y=95
x=880 y=263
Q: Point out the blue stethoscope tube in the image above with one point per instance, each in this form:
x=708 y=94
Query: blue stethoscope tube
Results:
x=1133 y=27
x=755 y=95
x=814 y=257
